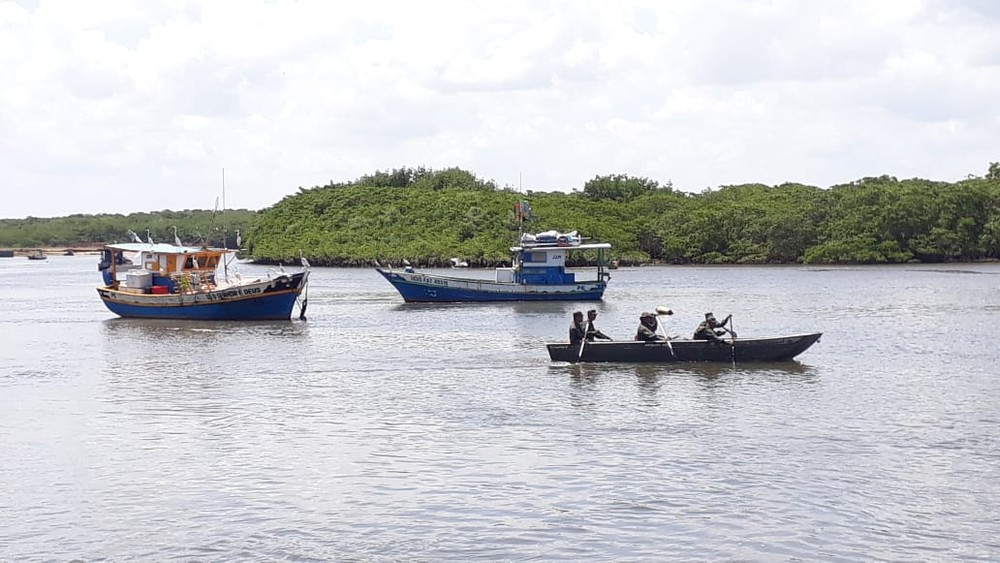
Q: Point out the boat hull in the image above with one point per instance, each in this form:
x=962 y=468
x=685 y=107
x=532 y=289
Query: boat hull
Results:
x=261 y=300
x=426 y=288
x=770 y=349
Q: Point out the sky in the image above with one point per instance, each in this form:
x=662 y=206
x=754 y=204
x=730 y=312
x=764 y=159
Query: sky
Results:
x=120 y=106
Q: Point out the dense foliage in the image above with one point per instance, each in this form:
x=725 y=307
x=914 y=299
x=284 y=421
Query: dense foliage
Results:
x=80 y=231
x=428 y=217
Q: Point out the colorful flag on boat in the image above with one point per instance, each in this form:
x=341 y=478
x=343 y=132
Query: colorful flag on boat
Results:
x=526 y=211
x=522 y=211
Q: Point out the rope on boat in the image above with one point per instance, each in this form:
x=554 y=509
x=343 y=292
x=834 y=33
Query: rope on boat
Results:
x=305 y=301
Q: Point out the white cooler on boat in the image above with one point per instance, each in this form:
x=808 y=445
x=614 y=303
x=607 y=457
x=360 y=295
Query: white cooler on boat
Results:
x=505 y=275
x=139 y=279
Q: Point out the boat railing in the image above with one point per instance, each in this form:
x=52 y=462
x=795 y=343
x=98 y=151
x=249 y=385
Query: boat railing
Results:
x=193 y=281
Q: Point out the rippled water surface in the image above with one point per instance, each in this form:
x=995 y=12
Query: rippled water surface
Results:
x=378 y=430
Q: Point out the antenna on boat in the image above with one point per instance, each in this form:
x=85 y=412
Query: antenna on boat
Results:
x=225 y=228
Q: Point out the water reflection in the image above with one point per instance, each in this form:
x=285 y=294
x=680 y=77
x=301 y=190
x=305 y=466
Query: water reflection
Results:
x=198 y=332
x=560 y=308
x=648 y=376
x=714 y=371
x=581 y=375
x=160 y=359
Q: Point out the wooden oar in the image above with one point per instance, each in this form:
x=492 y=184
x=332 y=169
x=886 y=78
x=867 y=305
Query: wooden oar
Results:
x=661 y=310
x=583 y=342
x=732 y=341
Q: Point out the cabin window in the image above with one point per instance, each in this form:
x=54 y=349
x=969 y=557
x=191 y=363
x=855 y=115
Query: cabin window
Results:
x=536 y=257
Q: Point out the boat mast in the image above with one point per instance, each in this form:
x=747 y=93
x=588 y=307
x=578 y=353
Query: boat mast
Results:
x=519 y=215
x=225 y=228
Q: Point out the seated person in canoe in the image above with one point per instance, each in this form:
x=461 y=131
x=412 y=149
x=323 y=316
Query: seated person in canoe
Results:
x=592 y=331
x=711 y=329
x=647 y=331
x=577 y=328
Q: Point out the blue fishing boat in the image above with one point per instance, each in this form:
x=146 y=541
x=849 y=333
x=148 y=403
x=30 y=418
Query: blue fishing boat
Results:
x=538 y=273
x=171 y=281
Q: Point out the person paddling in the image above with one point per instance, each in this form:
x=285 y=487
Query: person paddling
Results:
x=577 y=329
x=647 y=328
x=592 y=331
x=711 y=329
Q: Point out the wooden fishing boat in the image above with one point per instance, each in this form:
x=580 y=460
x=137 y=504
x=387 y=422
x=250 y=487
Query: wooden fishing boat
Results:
x=170 y=281
x=538 y=273
x=735 y=350
x=37 y=255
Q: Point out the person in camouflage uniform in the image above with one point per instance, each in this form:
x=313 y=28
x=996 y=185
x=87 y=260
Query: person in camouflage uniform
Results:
x=647 y=328
x=592 y=331
x=711 y=329
x=577 y=329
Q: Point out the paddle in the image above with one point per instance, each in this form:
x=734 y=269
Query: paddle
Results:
x=661 y=310
x=583 y=342
x=729 y=329
x=732 y=341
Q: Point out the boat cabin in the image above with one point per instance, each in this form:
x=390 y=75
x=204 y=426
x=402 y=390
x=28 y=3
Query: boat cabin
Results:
x=545 y=264
x=160 y=268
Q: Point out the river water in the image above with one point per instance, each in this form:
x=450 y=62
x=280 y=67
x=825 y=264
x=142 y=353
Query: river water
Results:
x=377 y=430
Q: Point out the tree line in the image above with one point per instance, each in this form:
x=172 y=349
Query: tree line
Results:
x=428 y=216
x=194 y=227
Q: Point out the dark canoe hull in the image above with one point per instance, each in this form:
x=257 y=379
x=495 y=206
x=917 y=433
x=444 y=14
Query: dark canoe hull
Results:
x=770 y=349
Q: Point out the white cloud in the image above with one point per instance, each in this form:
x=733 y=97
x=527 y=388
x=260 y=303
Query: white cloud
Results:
x=134 y=105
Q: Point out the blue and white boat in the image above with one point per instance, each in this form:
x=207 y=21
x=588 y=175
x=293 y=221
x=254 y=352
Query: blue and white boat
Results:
x=170 y=281
x=538 y=273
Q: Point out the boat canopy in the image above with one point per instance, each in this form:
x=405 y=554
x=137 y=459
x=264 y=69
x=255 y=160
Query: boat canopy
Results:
x=164 y=259
x=162 y=248
x=553 y=247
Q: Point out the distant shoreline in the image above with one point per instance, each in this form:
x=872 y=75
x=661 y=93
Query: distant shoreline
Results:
x=53 y=251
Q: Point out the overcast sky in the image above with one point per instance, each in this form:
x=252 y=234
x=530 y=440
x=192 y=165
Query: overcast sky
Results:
x=116 y=106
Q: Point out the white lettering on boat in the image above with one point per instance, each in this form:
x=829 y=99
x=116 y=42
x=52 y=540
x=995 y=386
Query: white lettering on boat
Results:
x=424 y=279
x=231 y=293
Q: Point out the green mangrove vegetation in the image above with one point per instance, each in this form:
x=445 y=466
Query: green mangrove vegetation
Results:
x=194 y=227
x=429 y=216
